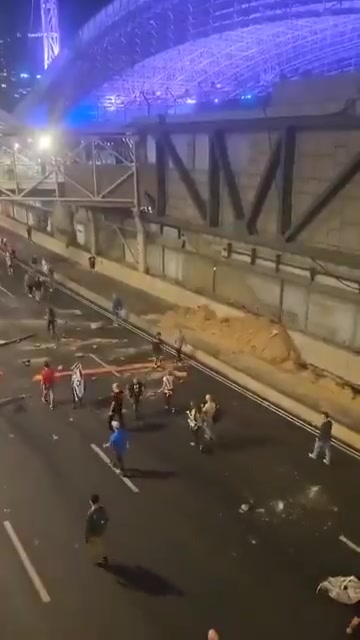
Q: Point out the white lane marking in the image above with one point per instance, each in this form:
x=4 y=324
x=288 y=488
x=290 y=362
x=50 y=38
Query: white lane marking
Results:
x=106 y=366
x=350 y=544
x=107 y=461
x=7 y=292
x=30 y=569
x=248 y=394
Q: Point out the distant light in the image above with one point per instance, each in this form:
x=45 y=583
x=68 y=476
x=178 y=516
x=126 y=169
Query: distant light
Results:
x=24 y=75
x=16 y=146
x=45 y=142
x=190 y=100
x=38 y=77
x=216 y=100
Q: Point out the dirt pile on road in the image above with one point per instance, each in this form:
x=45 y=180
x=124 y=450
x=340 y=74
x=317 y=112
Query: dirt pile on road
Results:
x=245 y=333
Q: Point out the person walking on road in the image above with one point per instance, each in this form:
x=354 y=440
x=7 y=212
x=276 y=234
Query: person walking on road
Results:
x=116 y=406
x=77 y=385
x=9 y=263
x=47 y=384
x=29 y=232
x=157 y=349
x=168 y=390
x=38 y=288
x=117 y=307
x=195 y=422
x=29 y=282
x=179 y=343
x=119 y=443
x=96 y=526
x=92 y=263
x=51 y=321
x=208 y=412
x=323 y=441
x=136 y=392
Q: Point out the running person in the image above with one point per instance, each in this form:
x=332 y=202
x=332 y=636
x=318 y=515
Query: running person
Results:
x=168 y=390
x=51 y=321
x=47 y=385
x=136 y=391
x=157 y=349
x=119 y=442
x=116 y=407
x=77 y=385
x=9 y=263
x=38 y=287
x=29 y=284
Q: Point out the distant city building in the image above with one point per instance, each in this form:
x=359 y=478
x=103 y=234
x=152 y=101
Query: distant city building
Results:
x=18 y=69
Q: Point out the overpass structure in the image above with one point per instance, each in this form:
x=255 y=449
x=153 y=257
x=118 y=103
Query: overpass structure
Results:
x=262 y=181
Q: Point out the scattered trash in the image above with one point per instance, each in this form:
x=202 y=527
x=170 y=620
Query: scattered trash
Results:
x=94 y=378
x=54 y=437
x=342 y=589
x=27 y=363
x=79 y=355
x=94 y=346
x=278 y=505
x=7 y=510
x=260 y=510
x=313 y=491
x=96 y=325
x=253 y=541
x=60 y=367
x=71 y=419
x=11 y=435
x=244 y=508
x=36 y=542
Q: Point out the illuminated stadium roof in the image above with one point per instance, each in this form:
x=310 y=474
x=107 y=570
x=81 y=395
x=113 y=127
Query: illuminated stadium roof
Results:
x=196 y=50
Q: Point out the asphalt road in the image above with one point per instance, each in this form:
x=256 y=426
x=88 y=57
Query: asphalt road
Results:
x=183 y=557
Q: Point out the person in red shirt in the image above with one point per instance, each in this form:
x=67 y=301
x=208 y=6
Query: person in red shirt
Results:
x=47 y=384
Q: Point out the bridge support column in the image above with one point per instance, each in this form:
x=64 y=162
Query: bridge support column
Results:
x=140 y=231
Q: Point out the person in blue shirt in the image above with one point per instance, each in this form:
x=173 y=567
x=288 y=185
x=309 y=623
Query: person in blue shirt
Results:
x=119 y=442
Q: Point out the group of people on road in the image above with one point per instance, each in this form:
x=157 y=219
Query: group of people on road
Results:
x=201 y=419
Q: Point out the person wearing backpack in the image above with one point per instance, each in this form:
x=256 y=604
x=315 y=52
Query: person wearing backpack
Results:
x=96 y=525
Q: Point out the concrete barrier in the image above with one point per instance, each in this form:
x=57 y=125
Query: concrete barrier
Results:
x=265 y=393
x=339 y=362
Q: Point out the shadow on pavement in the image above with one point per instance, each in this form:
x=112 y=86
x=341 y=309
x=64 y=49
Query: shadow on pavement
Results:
x=150 y=474
x=242 y=443
x=148 y=426
x=140 y=579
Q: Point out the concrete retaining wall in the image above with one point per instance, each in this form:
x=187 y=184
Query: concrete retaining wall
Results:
x=320 y=317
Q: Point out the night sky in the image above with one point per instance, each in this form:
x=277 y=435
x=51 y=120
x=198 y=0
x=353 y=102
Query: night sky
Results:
x=73 y=13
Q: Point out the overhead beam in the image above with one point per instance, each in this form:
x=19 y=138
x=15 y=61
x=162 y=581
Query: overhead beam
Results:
x=161 y=164
x=213 y=186
x=218 y=140
x=266 y=180
x=186 y=177
x=349 y=171
x=286 y=177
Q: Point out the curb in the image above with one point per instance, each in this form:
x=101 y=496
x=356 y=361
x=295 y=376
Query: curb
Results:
x=257 y=391
x=261 y=393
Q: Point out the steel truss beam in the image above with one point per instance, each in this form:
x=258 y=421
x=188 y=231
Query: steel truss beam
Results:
x=285 y=183
x=349 y=171
x=161 y=171
x=266 y=180
x=22 y=167
x=185 y=176
x=213 y=186
x=229 y=177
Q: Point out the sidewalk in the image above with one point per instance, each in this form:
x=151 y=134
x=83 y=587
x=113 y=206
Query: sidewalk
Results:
x=297 y=393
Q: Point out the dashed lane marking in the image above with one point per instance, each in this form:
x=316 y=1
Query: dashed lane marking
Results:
x=107 y=461
x=197 y=365
x=8 y=293
x=114 y=370
x=29 y=567
x=350 y=544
